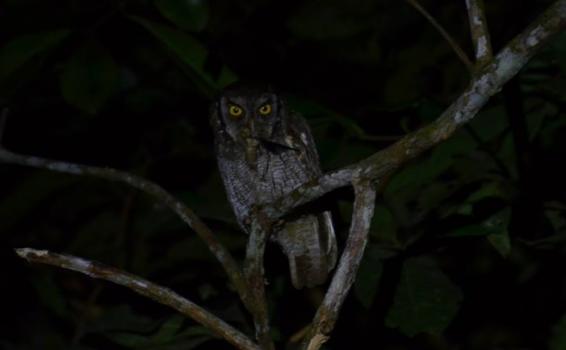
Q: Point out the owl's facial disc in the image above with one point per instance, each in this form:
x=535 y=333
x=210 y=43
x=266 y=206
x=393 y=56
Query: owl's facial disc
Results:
x=251 y=115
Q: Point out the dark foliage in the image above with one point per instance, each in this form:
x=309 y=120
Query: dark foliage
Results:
x=467 y=245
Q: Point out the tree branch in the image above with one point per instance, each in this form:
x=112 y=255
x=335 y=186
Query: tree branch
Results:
x=146 y=288
x=453 y=44
x=364 y=174
x=254 y=272
x=479 y=31
x=487 y=82
x=185 y=213
x=345 y=274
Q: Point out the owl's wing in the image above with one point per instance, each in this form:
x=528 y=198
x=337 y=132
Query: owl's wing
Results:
x=301 y=138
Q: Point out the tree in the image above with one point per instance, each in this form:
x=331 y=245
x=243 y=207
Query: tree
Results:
x=368 y=177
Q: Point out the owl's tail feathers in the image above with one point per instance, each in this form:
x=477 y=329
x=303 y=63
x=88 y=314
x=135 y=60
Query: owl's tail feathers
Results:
x=310 y=245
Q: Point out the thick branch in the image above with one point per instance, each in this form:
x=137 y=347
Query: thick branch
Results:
x=254 y=272
x=479 y=31
x=453 y=44
x=485 y=84
x=345 y=274
x=185 y=213
x=146 y=288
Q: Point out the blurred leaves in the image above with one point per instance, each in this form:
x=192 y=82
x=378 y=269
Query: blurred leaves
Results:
x=334 y=19
x=90 y=77
x=557 y=340
x=21 y=49
x=192 y=53
x=169 y=336
x=494 y=228
x=50 y=294
x=190 y=15
x=425 y=301
x=369 y=274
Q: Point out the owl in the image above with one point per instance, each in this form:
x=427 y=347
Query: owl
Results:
x=264 y=151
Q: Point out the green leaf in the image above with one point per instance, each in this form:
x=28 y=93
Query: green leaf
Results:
x=129 y=340
x=21 y=49
x=120 y=318
x=29 y=193
x=189 y=51
x=492 y=189
x=558 y=339
x=168 y=330
x=369 y=273
x=470 y=231
x=425 y=301
x=383 y=225
x=90 y=78
x=50 y=294
x=494 y=228
x=191 y=15
x=334 y=19
x=499 y=238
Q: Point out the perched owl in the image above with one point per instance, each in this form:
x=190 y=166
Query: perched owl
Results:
x=264 y=151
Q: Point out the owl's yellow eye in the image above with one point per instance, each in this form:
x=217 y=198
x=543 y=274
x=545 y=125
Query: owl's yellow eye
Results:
x=265 y=109
x=235 y=111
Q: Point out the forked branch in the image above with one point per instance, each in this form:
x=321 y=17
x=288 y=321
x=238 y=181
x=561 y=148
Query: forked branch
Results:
x=486 y=82
x=185 y=213
x=146 y=288
x=345 y=274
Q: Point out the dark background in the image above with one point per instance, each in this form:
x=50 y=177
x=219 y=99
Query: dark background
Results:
x=467 y=246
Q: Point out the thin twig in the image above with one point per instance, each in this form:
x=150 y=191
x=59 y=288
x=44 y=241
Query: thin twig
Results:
x=457 y=49
x=146 y=288
x=345 y=274
x=185 y=213
x=479 y=31
x=485 y=84
x=254 y=272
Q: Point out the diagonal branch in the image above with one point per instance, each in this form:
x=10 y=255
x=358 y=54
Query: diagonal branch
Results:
x=453 y=44
x=146 y=288
x=345 y=274
x=487 y=82
x=185 y=213
x=479 y=31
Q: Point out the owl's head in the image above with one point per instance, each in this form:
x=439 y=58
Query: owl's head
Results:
x=246 y=112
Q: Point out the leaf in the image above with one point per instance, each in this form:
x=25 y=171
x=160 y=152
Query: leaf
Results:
x=558 y=339
x=190 y=52
x=90 y=78
x=335 y=19
x=21 y=49
x=191 y=15
x=168 y=329
x=50 y=294
x=383 y=225
x=425 y=300
x=369 y=273
x=29 y=193
x=129 y=340
x=499 y=237
x=120 y=318
x=494 y=228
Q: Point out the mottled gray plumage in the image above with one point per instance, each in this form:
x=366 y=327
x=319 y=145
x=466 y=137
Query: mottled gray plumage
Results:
x=263 y=156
